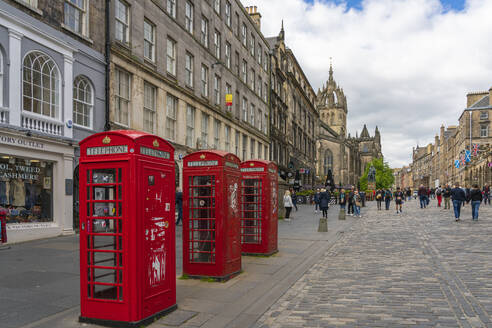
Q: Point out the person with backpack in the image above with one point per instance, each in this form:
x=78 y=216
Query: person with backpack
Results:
x=387 y=198
x=447 y=195
x=423 y=196
x=476 y=200
x=439 y=196
x=399 y=196
x=379 y=198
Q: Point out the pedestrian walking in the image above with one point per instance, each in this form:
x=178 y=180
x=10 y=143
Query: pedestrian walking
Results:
x=351 y=202
x=324 y=202
x=398 y=200
x=287 y=205
x=357 y=203
x=486 y=194
x=387 y=198
x=343 y=199
x=379 y=198
x=422 y=193
x=476 y=200
x=439 y=196
x=294 y=199
x=447 y=195
x=458 y=196
x=316 y=201
x=409 y=194
x=179 y=205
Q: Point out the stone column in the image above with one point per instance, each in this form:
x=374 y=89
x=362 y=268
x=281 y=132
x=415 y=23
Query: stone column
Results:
x=67 y=95
x=15 y=77
x=67 y=219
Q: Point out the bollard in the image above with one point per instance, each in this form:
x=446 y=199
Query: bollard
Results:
x=3 y=226
x=323 y=225
x=341 y=215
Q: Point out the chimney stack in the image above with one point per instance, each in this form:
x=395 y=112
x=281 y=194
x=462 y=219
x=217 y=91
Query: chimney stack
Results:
x=255 y=15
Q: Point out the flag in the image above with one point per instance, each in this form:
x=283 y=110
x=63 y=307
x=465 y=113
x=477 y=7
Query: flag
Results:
x=467 y=156
x=475 y=149
x=228 y=99
x=457 y=164
x=462 y=160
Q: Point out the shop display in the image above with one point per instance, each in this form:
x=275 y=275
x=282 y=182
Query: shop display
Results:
x=23 y=189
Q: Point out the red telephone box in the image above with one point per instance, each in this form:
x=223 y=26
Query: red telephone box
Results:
x=259 y=207
x=211 y=214
x=127 y=228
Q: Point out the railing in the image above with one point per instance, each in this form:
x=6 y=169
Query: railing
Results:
x=41 y=123
x=4 y=115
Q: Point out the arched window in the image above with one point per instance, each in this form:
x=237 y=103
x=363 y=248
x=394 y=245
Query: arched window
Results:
x=41 y=85
x=328 y=161
x=83 y=101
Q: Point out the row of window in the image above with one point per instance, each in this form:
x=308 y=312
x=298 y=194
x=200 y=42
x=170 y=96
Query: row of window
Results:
x=122 y=99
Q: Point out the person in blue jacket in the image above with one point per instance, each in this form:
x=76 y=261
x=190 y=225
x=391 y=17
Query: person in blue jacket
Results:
x=324 y=202
x=459 y=197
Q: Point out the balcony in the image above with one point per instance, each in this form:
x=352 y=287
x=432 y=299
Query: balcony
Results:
x=40 y=123
x=4 y=115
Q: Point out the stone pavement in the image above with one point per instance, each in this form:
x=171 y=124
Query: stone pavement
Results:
x=39 y=281
x=415 y=269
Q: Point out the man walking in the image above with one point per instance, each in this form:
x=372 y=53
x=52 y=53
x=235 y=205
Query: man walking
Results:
x=379 y=198
x=458 y=196
x=439 y=196
x=351 y=202
x=476 y=200
x=423 y=196
x=486 y=194
x=399 y=196
x=387 y=198
x=447 y=194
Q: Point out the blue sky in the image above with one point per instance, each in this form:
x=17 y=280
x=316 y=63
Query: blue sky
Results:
x=457 y=5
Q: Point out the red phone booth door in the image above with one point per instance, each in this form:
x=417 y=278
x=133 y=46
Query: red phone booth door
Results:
x=233 y=243
x=104 y=249
x=251 y=222
x=159 y=241
x=202 y=219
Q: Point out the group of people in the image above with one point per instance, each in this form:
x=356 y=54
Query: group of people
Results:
x=387 y=196
x=350 y=200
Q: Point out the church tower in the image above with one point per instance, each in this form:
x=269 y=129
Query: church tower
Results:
x=332 y=105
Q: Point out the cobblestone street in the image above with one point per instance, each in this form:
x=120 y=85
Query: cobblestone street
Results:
x=419 y=269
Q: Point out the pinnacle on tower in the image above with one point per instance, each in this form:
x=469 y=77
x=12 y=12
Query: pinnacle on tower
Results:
x=281 y=35
x=331 y=72
x=365 y=133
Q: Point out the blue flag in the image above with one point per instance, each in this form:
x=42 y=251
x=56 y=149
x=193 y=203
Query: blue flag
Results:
x=467 y=156
x=457 y=163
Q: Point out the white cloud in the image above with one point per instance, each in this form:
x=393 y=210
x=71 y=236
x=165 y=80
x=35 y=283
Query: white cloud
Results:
x=405 y=65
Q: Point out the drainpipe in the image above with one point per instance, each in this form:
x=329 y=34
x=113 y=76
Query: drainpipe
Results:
x=107 y=54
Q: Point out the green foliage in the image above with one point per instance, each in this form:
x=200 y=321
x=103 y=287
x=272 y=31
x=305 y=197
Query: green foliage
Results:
x=307 y=192
x=384 y=175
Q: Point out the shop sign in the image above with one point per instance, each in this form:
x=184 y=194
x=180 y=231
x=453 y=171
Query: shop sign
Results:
x=252 y=169
x=107 y=150
x=14 y=171
x=233 y=165
x=25 y=226
x=203 y=163
x=154 y=152
x=21 y=142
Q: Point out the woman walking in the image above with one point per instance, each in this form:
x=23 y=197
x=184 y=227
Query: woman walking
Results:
x=324 y=201
x=357 y=203
x=476 y=199
x=288 y=205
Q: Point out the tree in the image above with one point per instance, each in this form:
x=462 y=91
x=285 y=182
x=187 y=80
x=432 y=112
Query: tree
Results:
x=384 y=175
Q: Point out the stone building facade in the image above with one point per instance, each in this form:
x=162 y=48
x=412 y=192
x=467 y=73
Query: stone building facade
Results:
x=293 y=116
x=173 y=62
x=435 y=164
x=339 y=154
x=52 y=94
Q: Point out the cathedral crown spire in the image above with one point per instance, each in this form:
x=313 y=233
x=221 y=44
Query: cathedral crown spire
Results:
x=330 y=79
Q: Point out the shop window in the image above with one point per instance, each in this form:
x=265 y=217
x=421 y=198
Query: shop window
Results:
x=26 y=189
x=41 y=85
x=83 y=102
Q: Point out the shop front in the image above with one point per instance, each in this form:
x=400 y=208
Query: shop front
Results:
x=35 y=186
